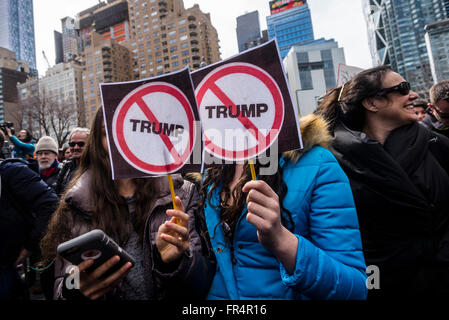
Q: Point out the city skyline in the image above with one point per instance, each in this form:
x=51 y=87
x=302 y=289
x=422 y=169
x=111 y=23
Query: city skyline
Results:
x=48 y=17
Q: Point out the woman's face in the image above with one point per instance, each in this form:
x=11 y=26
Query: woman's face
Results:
x=394 y=107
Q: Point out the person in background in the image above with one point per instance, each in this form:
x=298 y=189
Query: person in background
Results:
x=23 y=144
x=438 y=112
x=420 y=107
x=290 y=235
x=47 y=157
x=26 y=205
x=399 y=174
x=66 y=153
x=131 y=212
x=77 y=140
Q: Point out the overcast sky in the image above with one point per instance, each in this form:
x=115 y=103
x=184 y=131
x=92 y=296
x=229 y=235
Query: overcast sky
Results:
x=337 y=19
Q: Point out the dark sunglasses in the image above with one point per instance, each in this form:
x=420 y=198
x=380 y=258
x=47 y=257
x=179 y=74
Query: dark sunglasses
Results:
x=443 y=115
x=80 y=144
x=403 y=88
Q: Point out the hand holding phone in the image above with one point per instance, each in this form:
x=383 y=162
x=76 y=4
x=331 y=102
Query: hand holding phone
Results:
x=94 y=285
x=101 y=262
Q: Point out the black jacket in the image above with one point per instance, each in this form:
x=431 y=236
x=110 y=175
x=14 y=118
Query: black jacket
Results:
x=26 y=205
x=401 y=192
x=66 y=175
x=432 y=123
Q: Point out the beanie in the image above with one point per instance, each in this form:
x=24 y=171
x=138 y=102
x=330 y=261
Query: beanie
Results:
x=47 y=143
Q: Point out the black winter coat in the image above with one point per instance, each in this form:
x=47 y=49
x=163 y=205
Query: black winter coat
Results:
x=401 y=192
x=26 y=205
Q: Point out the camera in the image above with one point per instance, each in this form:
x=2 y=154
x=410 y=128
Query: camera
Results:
x=5 y=125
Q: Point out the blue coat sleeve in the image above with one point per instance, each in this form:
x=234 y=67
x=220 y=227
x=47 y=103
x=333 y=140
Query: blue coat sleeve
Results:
x=330 y=263
x=25 y=147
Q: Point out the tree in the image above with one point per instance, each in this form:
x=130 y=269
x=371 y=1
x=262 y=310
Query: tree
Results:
x=54 y=117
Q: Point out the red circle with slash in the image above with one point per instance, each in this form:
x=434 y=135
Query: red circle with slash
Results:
x=136 y=98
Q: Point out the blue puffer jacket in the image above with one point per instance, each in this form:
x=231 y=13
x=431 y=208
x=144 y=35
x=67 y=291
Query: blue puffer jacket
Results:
x=329 y=261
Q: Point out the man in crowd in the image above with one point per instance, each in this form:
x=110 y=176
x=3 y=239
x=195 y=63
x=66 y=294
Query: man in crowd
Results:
x=438 y=113
x=47 y=157
x=23 y=144
x=77 y=141
x=26 y=206
x=420 y=107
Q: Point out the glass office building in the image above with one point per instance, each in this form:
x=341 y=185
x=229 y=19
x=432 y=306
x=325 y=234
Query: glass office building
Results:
x=17 y=30
x=396 y=36
x=290 y=23
x=248 y=29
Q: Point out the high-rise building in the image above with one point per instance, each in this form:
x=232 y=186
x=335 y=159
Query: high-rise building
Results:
x=110 y=20
x=105 y=60
x=11 y=73
x=166 y=37
x=437 y=39
x=59 y=51
x=248 y=29
x=396 y=36
x=290 y=23
x=312 y=69
x=17 y=30
x=69 y=39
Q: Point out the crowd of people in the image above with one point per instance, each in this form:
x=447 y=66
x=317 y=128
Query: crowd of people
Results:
x=369 y=187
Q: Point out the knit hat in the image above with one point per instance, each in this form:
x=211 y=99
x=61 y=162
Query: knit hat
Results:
x=47 y=143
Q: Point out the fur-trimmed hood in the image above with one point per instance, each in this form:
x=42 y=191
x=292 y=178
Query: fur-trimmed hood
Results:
x=314 y=132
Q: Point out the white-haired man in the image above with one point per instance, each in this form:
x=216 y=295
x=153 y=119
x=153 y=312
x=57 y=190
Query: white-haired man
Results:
x=47 y=157
x=77 y=142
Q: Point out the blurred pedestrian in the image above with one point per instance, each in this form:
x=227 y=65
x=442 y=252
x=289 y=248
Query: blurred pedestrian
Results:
x=438 y=115
x=420 y=109
x=66 y=153
x=399 y=174
x=77 y=140
x=23 y=144
x=26 y=205
x=47 y=157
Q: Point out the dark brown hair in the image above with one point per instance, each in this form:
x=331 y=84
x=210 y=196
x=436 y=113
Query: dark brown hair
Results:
x=223 y=175
x=345 y=102
x=109 y=209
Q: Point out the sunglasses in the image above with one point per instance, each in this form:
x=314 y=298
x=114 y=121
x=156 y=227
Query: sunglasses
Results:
x=403 y=88
x=443 y=115
x=80 y=144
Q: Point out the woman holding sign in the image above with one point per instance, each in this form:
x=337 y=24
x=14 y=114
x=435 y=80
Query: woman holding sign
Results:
x=399 y=174
x=132 y=212
x=292 y=235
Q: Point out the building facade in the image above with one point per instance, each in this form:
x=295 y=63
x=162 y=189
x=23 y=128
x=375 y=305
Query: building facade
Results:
x=248 y=29
x=396 y=37
x=11 y=73
x=105 y=60
x=437 y=40
x=166 y=37
x=57 y=95
x=312 y=70
x=290 y=23
x=69 y=39
x=17 y=30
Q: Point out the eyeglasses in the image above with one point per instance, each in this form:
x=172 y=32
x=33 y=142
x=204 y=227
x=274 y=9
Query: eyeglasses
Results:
x=403 y=88
x=80 y=144
x=443 y=115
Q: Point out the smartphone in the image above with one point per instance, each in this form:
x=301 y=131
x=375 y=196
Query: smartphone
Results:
x=94 y=245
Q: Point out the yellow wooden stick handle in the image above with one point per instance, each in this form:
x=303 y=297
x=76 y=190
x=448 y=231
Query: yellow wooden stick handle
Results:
x=172 y=192
x=253 y=170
